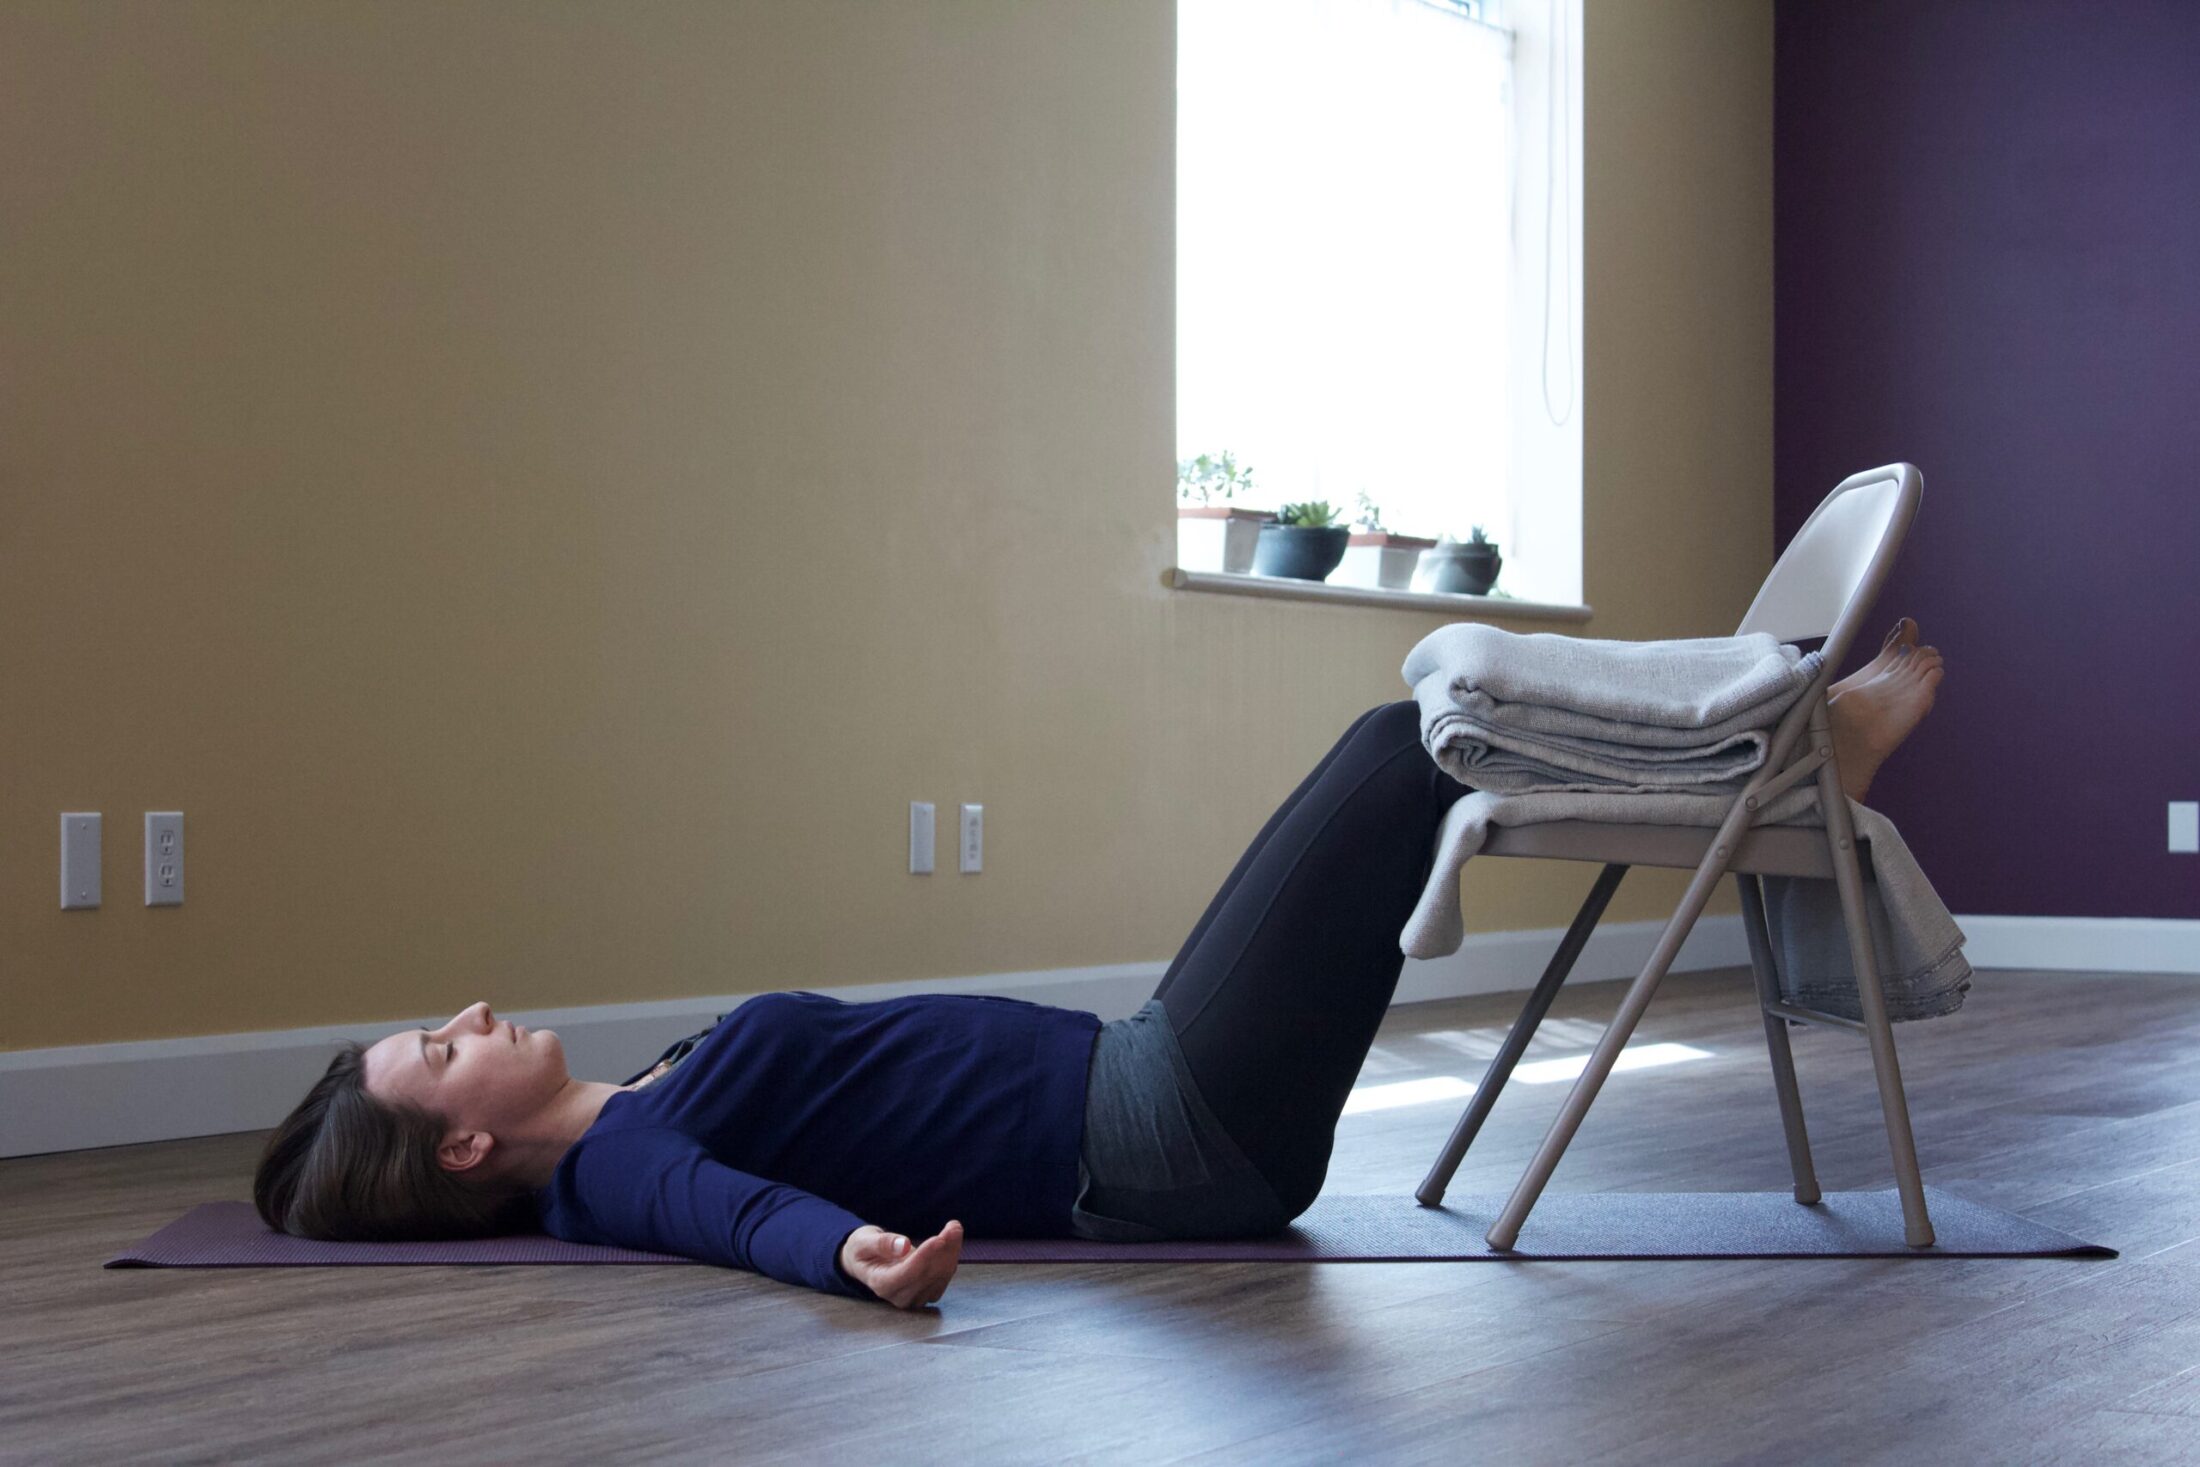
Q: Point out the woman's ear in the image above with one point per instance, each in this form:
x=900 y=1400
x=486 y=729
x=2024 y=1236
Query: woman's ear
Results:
x=464 y=1150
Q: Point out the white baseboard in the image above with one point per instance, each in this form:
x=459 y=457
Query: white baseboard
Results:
x=2083 y=944
x=162 y=1089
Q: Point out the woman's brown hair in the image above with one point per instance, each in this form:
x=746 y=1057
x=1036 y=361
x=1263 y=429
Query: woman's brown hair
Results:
x=345 y=1167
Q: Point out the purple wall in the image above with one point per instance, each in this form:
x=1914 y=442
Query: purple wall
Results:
x=1987 y=262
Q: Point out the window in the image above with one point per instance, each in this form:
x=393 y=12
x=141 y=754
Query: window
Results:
x=1353 y=311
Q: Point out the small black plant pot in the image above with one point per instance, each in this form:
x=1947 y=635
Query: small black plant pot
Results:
x=1467 y=569
x=1300 y=552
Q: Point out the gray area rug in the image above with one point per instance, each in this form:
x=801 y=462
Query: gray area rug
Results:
x=1346 y=1229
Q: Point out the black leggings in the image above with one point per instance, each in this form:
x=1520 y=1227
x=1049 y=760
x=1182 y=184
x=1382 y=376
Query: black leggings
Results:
x=1276 y=995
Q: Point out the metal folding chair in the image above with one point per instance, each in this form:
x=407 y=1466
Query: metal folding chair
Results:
x=1823 y=585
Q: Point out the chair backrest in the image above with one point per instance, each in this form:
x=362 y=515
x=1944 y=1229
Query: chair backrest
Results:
x=1827 y=579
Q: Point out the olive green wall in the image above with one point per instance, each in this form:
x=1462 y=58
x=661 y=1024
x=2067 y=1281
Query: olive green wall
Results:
x=542 y=486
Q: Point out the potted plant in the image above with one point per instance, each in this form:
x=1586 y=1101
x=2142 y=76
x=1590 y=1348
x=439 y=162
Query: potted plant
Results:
x=1304 y=544
x=1468 y=567
x=1377 y=558
x=1212 y=533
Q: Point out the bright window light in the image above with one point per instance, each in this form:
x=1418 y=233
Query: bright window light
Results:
x=1344 y=225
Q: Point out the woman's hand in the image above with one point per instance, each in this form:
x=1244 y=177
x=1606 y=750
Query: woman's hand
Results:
x=904 y=1276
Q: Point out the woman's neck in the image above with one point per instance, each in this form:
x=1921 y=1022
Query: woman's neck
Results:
x=533 y=1155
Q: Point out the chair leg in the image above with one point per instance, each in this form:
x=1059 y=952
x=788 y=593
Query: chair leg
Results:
x=1562 y=962
x=1506 y=1230
x=1917 y=1228
x=1776 y=1040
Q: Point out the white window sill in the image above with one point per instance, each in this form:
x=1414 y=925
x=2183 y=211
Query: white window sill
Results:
x=1178 y=579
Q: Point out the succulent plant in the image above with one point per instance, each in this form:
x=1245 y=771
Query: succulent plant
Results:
x=1308 y=514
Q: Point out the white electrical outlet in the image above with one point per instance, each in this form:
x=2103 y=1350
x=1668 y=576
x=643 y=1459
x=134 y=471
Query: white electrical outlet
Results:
x=973 y=837
x=2184 y=826
x=164 y=858
x=80 y=859
x=921 y=838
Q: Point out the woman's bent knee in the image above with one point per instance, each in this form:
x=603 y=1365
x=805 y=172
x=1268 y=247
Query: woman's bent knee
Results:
x=1396 y=721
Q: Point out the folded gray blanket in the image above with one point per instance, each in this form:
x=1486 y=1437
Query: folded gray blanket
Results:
x=1479 y=687
x=1510 y=712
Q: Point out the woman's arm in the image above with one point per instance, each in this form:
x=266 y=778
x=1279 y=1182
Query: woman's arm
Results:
x=659 y=1189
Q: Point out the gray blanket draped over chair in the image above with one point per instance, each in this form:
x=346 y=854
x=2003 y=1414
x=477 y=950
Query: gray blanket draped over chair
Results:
x=1549 y=727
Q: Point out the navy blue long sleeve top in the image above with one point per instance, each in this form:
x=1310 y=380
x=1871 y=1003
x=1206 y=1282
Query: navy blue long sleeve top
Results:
x=800 y=1118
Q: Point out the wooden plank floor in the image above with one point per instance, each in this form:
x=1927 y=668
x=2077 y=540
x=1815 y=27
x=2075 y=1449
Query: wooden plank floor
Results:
x=2073 y=1100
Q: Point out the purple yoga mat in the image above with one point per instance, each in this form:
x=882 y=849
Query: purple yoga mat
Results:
x=1378 y=1229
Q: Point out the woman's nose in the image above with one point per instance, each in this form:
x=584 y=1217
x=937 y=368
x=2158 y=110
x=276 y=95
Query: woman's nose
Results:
x=473 y=1016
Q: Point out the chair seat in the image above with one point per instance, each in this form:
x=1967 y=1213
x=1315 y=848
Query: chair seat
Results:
x=1766 y=850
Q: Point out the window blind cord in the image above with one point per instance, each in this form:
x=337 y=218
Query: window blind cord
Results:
x=1557 y=146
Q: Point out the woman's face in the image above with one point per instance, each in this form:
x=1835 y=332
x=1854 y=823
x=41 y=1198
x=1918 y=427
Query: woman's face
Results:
x=478 y=1072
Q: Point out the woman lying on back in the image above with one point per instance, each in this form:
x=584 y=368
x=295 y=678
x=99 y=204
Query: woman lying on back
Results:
x=811 y=1139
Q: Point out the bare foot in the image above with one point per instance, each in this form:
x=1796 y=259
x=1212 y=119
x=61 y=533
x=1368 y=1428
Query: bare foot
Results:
x=1871 y=719
x=1903 y=635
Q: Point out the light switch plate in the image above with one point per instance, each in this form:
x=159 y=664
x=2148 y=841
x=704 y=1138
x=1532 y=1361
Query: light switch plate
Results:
x=164 y=858
x=2184 y=826
x=921 y=838
x=973 y=838
x=79 y=859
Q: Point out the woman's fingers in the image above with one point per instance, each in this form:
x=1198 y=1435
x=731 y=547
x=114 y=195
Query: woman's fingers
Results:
x=923 y=1274
x=944 y=1263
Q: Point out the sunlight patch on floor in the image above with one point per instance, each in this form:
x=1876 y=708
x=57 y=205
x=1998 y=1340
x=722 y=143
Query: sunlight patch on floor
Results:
x=1407 y=1092
x=1535 y=1072
x=1633 y=1057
